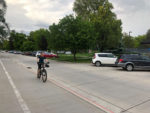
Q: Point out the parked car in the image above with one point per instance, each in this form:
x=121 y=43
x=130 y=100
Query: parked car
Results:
x=38 y=53
x=130 y=62
x=17 y=52
x=2 y=51
x=50 y=55
x=68 y=53
x=34 y=53
x=104 y=58
x=28 y=53
x=10 y=51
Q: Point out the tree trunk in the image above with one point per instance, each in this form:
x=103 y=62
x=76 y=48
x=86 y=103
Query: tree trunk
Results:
x=102 y=48
x=74 y=56
x=103 y=43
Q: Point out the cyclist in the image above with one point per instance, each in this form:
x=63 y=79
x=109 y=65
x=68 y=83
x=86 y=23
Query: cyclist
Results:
x=40 y=61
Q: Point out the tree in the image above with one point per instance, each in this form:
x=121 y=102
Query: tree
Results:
x=128 y=41
x=16 y=40
x=11 y=40
x=85 y=8
x=76 y=32
x=4 y=29
x=28 y=46
x=138 y=40
x=107 y=27
x=19 y=39
x=5 y=45
x=146 y=40
x=56 y=40
x=39 y=38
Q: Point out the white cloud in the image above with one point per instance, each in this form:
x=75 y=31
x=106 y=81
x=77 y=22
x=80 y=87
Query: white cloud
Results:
x=47 y=11
x=134 y=15
x=33 y=14
x=37 y=12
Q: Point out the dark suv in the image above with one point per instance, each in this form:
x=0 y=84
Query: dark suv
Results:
x=132 y=61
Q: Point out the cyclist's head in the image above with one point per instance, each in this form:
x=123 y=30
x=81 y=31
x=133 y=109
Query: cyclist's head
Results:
x=42 y=54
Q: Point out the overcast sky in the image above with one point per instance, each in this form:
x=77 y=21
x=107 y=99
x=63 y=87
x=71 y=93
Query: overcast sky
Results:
x=28 y=15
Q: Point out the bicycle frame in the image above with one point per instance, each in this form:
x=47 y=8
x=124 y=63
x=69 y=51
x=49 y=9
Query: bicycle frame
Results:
x=43 y=73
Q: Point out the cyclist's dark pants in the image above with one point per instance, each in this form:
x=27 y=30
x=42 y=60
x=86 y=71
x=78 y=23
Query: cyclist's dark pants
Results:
x=40 y=65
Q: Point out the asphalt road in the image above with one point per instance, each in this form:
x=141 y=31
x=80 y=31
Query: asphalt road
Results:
x=108 y=88
x=22 y=92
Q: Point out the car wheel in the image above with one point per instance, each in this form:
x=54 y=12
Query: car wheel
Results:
x=98 y=64
x=129 y=67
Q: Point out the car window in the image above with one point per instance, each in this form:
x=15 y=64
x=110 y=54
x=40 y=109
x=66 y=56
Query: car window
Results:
x=110 y=56
x=136 y=57
x=145 y=57
x=131 y=57
x=102 y=55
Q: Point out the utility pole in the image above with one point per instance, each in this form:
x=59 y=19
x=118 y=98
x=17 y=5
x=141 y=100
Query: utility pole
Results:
x=130 y=33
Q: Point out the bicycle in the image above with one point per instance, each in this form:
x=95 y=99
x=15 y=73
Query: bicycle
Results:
x=43 y=72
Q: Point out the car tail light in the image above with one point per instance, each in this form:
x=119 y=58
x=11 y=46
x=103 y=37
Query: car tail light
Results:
x=120 y=60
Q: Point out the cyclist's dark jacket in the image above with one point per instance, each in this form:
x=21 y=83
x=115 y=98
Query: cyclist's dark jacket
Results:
x=41 y=59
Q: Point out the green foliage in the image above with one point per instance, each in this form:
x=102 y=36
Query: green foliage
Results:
x=28 y=46
x=72 y=33
x=133 y=42
x=85 y=8
x=16 y=40
x=56 y=41
x=145 y=39
x=138 y=40
x=107 y=28
x=4 y=29
x=128 y=41
x=5 y=45
x=76 y=33
x=39 y=37
x=3 y=32
x=19 y=40
x=107 y=31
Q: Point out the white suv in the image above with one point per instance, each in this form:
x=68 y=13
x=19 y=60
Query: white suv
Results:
x=104 y=58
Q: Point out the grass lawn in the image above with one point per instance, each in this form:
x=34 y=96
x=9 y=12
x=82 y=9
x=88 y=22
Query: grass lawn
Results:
x=81 y=58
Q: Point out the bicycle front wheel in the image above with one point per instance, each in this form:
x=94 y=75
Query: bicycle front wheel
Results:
x=44 y=75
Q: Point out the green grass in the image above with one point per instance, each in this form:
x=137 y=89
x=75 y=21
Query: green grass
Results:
x=81 y=58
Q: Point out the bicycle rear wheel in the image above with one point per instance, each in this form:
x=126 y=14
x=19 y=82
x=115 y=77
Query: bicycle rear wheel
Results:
x=44 y=75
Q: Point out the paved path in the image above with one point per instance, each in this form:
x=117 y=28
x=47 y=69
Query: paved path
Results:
x=108 y=88
x=22 y=92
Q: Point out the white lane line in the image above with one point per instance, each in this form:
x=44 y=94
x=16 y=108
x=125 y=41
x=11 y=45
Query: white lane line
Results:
x=22 y=103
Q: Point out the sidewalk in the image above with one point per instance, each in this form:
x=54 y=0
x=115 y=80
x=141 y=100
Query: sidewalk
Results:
x=40 y=97
x=86 y=96
x=114 y=91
